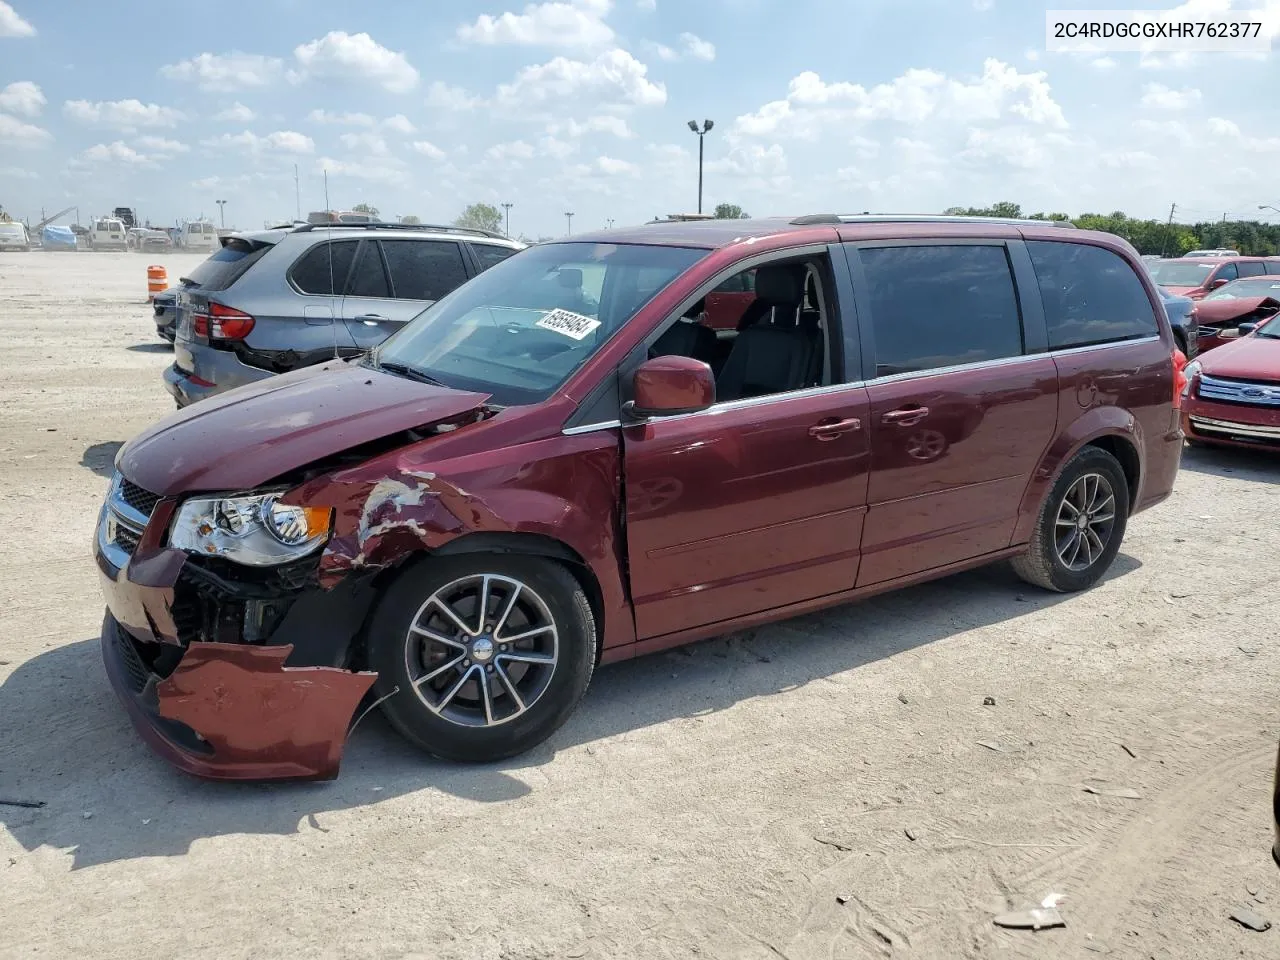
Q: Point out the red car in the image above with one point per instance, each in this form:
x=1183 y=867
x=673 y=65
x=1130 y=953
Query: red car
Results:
x=1233 y=393
x=1195 y=277
x=1220 y=314
x=513 y=489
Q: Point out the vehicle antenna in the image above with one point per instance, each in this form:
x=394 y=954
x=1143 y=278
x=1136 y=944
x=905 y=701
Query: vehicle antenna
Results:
x=333 y=321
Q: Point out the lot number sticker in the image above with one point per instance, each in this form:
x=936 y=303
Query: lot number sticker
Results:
x=570 y=324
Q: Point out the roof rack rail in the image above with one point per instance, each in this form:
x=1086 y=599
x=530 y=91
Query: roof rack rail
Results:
x=816 y=219
x=430 y=227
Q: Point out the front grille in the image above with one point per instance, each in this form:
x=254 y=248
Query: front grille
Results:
x=136 y=671
x=126 y=539
x=1245 y=432
x=141 y=500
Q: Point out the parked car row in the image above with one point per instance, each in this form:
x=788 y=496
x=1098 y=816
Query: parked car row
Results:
x=571 y=460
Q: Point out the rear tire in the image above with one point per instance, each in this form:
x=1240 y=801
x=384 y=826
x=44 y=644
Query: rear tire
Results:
x=1081 y=525
x=506 y=682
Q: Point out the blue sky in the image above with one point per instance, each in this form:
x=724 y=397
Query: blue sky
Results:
x=422 y=107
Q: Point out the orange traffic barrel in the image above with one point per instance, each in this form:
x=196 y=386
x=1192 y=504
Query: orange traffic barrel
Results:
x=157 y=282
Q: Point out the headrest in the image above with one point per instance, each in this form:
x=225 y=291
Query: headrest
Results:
x=780 y=285
x=570 y=277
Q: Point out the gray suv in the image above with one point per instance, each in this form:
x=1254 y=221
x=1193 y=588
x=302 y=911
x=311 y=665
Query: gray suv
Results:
x=272 y=301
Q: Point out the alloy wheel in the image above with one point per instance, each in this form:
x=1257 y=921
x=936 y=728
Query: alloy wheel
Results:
x=482 y=650
x=1086 y=519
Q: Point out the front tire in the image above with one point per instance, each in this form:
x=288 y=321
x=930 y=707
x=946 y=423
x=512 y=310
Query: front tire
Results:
x=491 y=654
x=1080 y=527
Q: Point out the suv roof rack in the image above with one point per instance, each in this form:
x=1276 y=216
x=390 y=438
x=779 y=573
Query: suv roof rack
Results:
x=834 y=218
x=430 y=227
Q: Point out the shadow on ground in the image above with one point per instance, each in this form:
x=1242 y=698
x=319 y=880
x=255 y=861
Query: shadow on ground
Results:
x=1254 y=465
x=163 y=347
x=68 y=741
x=101 y=457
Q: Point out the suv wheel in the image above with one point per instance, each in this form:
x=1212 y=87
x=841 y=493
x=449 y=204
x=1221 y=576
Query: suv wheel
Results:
x=1080 y=527
x=490 y=652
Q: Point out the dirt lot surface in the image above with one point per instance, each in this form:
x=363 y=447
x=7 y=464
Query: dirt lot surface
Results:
x=750 y=797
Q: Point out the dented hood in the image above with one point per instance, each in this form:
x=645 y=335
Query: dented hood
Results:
x=247 y=436
x=1217 y=312
x=1248 y=358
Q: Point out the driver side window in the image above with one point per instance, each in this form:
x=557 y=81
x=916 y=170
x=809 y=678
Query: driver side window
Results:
x=762 y=331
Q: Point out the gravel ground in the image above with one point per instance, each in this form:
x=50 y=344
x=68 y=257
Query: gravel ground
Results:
x=750 y=797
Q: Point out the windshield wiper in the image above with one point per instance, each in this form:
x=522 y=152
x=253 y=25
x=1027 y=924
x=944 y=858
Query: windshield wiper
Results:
x=404 y=370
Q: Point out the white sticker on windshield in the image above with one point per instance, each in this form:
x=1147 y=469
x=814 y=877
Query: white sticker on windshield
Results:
x=572 y=325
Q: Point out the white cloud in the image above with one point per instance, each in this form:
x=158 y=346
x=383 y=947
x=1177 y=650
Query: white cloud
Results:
x=22 y=135
x=1223 y=128
x=615 y=168
x=558 y=149
x=1171 y=130
x=343 y=119
x=695 y=48
x=692 y=47
x=1103 y=63
x=281 y=141
x=218 y=71
x=18 y=173
x=23 y=97
x=427 y=149
x=602 y=123
x=366 y=142
x=441 y=96
x=386 y=170
x=647 y=6
x=236 y=113
x=1011 y=147
x=161 y=145
x=1160 y=97
x=122 y=115
x=1128 y=160
x=915 y=97
x=117 y=152
x=505 y=152
x=982 y=6
x=615 y=77
x=751 y=160
x=12 y=25
x=399 y=124
x=356 y=56
x=576 y=24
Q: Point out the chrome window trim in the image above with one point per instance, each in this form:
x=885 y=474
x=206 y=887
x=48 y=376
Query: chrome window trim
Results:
x=729 y=405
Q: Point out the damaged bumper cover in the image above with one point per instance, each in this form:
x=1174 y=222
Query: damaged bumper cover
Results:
x=230 y=680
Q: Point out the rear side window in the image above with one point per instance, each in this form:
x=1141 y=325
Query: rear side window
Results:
x=938 y=306
x=229 y=264
x=1250 y=268
x=424 y=269
x=490 y=254
x=313 y=272
x=1227 y=272
x=1090 y=295
x=369 y=279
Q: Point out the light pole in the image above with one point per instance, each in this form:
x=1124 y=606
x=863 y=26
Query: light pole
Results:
x=609 y=223
x=569 y=219
x=702 y=133
x=222 y=212
x=1267 y=206
x=507 y=208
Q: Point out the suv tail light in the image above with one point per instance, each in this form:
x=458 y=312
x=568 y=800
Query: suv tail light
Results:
x=218 y=322
x=1179 y=377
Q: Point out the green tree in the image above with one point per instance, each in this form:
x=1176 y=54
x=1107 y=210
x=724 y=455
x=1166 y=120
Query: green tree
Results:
x=731 y=211
x=480 y=216
x=366 y=208
x=410 y=219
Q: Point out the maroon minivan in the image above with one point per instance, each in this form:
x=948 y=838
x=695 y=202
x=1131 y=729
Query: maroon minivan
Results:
x=556 y=466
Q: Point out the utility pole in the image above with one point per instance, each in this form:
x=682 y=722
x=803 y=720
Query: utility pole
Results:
x=297 y=193
x=507 y=208
x=569 y=218
x=702 y=134
x=1169 y=229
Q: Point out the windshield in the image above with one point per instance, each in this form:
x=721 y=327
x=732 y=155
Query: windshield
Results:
x=12 y=230
x=1174 y=273
x=1245 y=289
x=521 y=328
x=229 y=264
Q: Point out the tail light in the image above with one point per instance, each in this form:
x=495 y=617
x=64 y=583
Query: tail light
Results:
x=218 y=322
x=1179 y=377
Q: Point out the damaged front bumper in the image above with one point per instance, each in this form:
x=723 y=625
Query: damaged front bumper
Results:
x=229 y=674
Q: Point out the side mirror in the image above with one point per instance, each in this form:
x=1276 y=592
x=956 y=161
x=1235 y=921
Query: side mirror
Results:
x=1218 y=283
x=1246 y=328
x=666 y=386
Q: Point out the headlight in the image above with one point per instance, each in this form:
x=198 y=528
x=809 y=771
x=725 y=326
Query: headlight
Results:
x=257 y=529
x=1192 y=372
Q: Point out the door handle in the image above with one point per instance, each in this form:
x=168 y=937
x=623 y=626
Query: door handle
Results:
x=906 y=417
x=371 y=318
x=833 y=428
